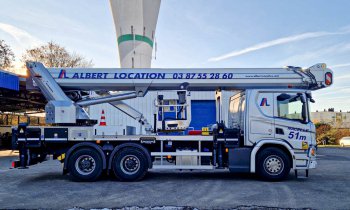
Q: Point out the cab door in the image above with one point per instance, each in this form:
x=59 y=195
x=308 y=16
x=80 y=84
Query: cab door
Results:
x=291 y=119
x=260 y=116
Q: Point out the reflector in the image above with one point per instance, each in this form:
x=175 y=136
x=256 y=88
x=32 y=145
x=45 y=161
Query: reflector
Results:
x=328 y=78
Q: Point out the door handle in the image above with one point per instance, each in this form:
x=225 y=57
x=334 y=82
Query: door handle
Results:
x=279 y=131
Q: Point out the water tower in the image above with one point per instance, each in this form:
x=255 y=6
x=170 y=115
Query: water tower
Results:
x=135 y=23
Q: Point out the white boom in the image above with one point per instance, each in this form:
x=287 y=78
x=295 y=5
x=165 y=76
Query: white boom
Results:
x=197 y=79
x=54 y=83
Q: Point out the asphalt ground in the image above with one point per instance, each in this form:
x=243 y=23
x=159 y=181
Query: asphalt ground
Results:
x=44 y=186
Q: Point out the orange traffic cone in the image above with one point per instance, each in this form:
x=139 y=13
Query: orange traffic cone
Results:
x=103 y=119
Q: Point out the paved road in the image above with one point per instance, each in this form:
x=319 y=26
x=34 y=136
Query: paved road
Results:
x=6 y=158
x=43 y=186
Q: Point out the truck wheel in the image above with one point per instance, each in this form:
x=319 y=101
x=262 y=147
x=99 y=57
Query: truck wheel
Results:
x=273 y=164
x=85 y=165
x=130 y=164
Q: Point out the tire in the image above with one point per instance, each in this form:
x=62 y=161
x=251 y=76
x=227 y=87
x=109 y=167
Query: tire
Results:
x=85 y=165
x=342 y=145
x=273 y=164
x=130 y=164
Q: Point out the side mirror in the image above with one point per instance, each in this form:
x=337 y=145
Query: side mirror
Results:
x=283 y=97
x=309 y=96
x=302 y=97
x=304 y=110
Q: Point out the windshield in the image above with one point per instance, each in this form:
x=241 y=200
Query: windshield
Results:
x=290 y=107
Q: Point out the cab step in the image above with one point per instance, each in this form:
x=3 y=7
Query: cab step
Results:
x=297 y=175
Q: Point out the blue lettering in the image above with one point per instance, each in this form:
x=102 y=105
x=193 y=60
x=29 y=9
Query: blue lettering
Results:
x=130 y=75
x=161 y=75
x=122 y=76
x=153 y=76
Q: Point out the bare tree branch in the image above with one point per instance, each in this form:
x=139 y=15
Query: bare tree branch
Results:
x=54 y=55
x=6 y=55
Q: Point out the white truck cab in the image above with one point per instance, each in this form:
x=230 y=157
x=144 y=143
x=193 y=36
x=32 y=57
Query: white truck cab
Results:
x=277 y=117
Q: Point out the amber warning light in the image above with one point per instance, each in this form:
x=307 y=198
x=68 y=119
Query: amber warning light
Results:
x=328 y=78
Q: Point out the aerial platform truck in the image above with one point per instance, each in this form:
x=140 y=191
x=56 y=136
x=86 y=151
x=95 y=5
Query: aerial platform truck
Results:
x=269 y=131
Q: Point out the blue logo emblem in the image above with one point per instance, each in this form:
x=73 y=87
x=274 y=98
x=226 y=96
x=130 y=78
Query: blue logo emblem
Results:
x=62 y=74
x=264 y=102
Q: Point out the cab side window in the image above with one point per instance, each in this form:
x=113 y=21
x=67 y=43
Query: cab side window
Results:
x=290 y=107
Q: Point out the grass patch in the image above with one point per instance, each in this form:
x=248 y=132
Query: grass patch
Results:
x=328 y=146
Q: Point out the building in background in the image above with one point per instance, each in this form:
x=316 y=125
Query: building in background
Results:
x=16 y=104
x=202 y=108
x=335 y=119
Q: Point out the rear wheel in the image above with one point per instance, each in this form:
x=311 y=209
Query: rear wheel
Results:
x=130 y=164
x=342 y=145
x=85 y=165
x=273 y=164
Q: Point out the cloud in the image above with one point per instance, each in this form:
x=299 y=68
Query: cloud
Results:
x=341 y=65
x=315 y=55
x=200 y=23
x=23 y=40
x=343 y=77
x=279 y=41
x=21 y=36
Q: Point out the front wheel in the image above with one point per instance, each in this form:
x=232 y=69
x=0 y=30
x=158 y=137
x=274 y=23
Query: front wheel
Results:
x=273 y=164
x=85 y=165
x=130 y=164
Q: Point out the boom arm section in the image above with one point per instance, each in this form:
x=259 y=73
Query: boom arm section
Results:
x=196 y=79
x=120 y=105
x=60 y=108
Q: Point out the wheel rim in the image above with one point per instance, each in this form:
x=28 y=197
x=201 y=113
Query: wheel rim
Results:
x=130 y=164
x=273 y=165
x=85 y=164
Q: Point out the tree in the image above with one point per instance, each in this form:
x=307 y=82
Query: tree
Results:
x=322 y=132
x=54 y=55
x=6 y=55
x=328 y=135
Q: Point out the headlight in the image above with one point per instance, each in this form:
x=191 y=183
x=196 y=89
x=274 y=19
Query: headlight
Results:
x=313 y=151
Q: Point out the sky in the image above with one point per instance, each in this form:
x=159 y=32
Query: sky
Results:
x=200 y=34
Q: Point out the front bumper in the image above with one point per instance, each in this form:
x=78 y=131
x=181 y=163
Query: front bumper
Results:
x=312 y=157
x=312 y=164
x=305 y=160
